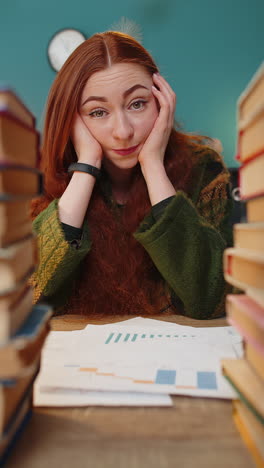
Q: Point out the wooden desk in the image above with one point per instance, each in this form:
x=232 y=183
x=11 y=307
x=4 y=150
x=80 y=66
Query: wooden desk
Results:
x=195 y=432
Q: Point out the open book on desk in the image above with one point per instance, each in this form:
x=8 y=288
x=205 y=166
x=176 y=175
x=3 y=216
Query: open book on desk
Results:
x=139 y=355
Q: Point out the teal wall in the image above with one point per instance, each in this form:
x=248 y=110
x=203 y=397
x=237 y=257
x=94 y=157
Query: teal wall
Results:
x=207 y=49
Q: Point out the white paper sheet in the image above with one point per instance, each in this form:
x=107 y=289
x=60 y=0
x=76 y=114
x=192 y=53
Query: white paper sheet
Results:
x=141 y=355
x=62 y=397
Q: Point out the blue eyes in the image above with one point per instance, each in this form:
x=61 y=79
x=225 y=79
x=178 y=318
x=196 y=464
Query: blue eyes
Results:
x=135 y=105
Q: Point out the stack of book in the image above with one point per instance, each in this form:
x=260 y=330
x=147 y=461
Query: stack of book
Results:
x=23 y=327
x=244 y=269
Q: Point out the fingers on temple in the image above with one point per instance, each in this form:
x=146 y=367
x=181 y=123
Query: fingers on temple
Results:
x=165 y=94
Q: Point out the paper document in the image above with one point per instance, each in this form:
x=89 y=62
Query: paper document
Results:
x=57 y=396
x=141 y=355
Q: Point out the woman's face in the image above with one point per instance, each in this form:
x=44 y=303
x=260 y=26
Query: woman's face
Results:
x=119 y=110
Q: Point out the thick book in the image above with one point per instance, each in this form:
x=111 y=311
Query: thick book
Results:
x=19 y=354
x=12 y=392
x=254 y=353
x=249 y=236
x=246 y=383
x=250 y=136
x=16 y=262
x=247 y=317
x=250 y=118
x=251 y=177
x=20 y=180
x=252 y=95
x=9 y=101
x=244 y=268
x=15 y=223
x=251 y=431
x=19 y=143
x=14 y=310
x=255 y=209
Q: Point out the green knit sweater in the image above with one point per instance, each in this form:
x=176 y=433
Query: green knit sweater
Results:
x=186 y=244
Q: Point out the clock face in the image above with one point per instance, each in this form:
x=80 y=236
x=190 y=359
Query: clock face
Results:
x=61 y=45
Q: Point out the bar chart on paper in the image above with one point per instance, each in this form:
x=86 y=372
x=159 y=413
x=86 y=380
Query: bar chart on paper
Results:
x=187 y=378
x=177 y=379
x=161 y=359
x=116 y=337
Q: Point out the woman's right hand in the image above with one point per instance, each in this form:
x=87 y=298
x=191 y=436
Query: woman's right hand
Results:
x=87 y=148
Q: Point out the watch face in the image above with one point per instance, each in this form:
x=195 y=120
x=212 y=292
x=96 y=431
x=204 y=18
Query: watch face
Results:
x=61 y=45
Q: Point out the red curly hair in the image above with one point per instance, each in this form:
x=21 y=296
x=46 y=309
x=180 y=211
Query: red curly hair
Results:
x=117 y=275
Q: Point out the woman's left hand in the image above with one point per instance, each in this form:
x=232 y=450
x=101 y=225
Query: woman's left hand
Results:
x=154 y=148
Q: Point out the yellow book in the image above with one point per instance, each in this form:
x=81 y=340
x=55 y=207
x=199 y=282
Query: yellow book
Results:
x=247 y=383
x=247 y=436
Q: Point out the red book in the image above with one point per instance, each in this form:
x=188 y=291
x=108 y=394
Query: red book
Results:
x=247 y=317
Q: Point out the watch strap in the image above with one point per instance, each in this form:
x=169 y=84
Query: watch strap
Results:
x=83 y=167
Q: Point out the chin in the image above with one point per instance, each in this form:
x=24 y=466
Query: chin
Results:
x=125 y=163
x=128 y=164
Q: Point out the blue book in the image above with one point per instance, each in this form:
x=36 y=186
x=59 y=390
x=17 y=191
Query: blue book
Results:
x=16 y=426
x=12 y=393
x=23 y=350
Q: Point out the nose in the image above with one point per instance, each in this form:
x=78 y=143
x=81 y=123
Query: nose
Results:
x=122 y=127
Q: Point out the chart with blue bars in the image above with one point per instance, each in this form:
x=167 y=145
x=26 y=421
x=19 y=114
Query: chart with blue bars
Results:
x=202 y=379
x=116 y=337
x=188 y=378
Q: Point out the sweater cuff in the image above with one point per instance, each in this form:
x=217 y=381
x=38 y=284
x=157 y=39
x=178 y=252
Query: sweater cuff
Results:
x=180 y=207
x=71 y=233
x=159 y=208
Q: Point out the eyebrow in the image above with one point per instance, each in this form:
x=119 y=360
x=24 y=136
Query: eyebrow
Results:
x=125 y=94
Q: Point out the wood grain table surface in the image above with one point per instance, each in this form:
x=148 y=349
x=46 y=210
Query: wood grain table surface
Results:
x=194 y=432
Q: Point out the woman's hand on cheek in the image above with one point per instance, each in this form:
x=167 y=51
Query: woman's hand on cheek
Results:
x=87 y=148
x=154 y=147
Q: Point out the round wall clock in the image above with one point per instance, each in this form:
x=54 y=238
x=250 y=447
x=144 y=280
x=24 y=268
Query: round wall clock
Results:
x=62 y=44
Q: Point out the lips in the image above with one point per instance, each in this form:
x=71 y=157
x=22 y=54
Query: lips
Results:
x=126 y=151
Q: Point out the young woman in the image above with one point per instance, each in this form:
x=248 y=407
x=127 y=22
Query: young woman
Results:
x=135 y=215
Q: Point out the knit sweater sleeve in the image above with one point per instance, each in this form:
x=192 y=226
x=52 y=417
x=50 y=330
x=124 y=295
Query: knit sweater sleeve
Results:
x=58 y=258
x=187 y=242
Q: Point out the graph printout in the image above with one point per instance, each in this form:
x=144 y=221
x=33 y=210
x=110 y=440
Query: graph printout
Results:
x=141 y=355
